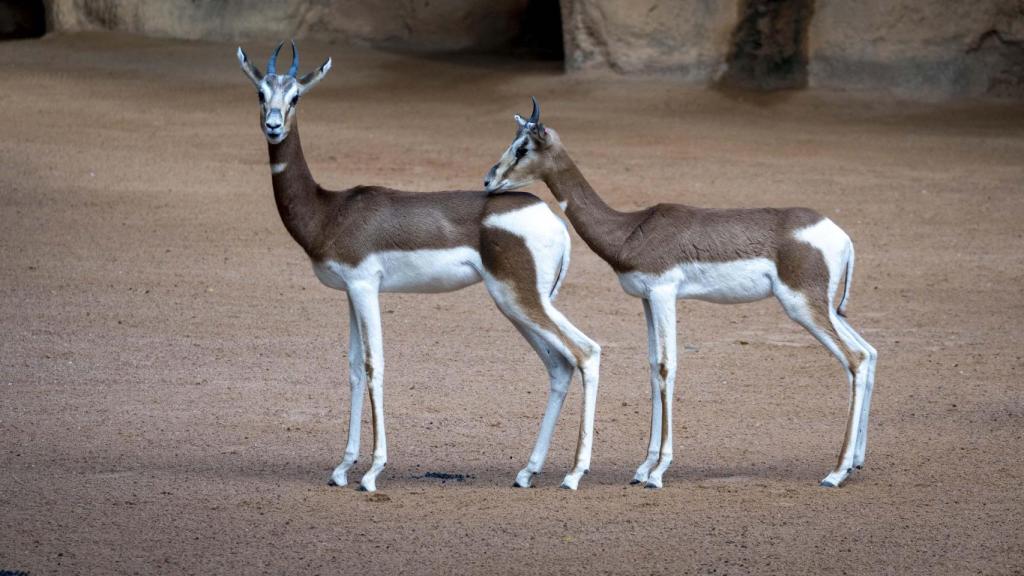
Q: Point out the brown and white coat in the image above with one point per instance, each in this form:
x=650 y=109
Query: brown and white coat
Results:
x=672 y=251
x=368 y=239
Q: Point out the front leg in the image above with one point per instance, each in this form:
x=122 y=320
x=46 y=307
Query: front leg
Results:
x=366 y=303
x=357 y=385
x=663 y=372
x=654 y=445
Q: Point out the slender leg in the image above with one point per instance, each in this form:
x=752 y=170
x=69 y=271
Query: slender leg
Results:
x=560 y=370
x=366 y=303
x=654 y=445
x=860 y=447
x=817 y=316
x=357 y=385
x=589 y=359
x=663 y=311
x=552 y=335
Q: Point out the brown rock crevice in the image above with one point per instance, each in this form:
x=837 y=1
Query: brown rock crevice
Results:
x=769 y=45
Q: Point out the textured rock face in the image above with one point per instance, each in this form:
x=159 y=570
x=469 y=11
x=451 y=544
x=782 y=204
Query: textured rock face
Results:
x=416 y=24
x=916 y=48
x=687 y=38
x=920 y=47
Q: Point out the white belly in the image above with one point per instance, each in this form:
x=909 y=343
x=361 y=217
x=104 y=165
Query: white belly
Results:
x=407 y=271
x=721 y=282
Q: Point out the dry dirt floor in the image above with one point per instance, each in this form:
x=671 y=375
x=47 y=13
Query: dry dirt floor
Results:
x=173 y=389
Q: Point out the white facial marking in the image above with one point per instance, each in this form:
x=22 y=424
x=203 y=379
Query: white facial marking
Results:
x=278 y=168
x=420 y=271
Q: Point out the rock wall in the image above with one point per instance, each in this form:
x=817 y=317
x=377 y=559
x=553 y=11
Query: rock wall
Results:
x=684 y=38
x=919 y=47
x=429 y=25
x=915 y=48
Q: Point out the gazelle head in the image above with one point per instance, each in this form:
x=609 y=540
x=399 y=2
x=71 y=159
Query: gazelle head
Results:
x=527 y=159
x=279 y=93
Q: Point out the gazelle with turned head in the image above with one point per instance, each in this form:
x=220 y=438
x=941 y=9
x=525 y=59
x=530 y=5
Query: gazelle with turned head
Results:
x=367 y=240
x=672 y=251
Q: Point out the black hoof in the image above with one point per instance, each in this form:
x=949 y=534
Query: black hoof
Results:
x=331 y=482
x=859 y=467
x=634 y=482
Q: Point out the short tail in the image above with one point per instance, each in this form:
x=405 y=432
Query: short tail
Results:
x=841 y=310
x=563 y=269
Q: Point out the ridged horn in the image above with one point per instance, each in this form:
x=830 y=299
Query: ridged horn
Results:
x=535 y=117
x=272 y=63
x=295 y=61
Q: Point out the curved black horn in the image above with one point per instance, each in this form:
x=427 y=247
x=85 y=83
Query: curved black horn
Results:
x=535 y=117
x=272 y=63
x=295 y=61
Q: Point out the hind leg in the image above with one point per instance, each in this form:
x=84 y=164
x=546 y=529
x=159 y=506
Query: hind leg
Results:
x=548 y=330
x=560 y=370
x=815 y=314
x=588 y=358
x=860 y=447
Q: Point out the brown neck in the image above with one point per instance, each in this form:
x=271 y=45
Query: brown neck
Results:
x=296 y=193
x=602 y=227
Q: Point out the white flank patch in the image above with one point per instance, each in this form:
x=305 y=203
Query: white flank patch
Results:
x=546 y=238
x=721 y=282
x=834 y=245
x=278 y=168
x=418 y=271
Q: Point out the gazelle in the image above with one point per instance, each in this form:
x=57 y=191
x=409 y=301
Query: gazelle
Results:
x=367 y=240
x=672 y=251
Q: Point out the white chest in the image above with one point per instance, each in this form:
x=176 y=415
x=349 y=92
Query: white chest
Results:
x=442 y=270
x=721 y=282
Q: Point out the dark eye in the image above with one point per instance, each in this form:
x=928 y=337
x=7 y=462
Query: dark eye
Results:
x=262 y=97
x=295 y=100
x=520 y=152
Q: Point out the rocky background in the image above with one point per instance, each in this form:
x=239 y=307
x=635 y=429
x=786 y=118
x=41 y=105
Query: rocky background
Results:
x=916 y=48
x=913 y=48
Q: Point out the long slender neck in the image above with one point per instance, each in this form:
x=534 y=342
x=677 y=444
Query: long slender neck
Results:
x=295 y=191
x=602 y=227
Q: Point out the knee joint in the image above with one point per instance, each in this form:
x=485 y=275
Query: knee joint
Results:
x=590 y=357
x=663 y=371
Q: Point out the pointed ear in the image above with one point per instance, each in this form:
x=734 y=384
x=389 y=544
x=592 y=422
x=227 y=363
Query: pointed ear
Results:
x=311 y=79
x=254 y=74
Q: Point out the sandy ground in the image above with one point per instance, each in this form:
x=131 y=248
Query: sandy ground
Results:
x=172 y=376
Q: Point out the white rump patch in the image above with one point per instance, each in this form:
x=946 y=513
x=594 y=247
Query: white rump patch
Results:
x=546 y=237
x=834 y=245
